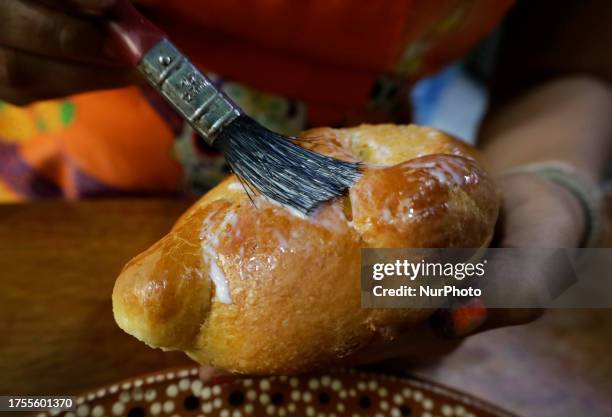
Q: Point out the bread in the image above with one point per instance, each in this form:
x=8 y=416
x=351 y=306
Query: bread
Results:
x=263 y=290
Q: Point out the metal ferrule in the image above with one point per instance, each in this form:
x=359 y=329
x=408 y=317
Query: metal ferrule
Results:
x=193 y=95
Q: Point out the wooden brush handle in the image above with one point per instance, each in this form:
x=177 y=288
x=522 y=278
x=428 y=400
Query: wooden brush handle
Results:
x=138 y=42
x=132 y=34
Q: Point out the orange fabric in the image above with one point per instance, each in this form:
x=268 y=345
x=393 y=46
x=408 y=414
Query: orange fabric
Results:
x=324 y=56
x=327 y=51
x=130 y=152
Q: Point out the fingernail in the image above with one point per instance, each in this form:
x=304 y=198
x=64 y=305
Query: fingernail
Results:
x=215 y=376
x=221 y=379
x=460 y=319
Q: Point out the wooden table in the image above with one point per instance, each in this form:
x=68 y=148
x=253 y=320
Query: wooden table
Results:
x=58 y=262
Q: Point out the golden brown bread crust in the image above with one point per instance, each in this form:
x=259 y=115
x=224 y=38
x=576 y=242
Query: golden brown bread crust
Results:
x=293 y=281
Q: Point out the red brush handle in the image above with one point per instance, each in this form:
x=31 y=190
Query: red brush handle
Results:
x=131 y=34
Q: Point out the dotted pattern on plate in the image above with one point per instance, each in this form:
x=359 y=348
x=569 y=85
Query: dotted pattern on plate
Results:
x=340 y=394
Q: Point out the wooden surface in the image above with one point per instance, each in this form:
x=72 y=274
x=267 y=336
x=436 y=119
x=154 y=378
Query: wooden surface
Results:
x=59 y=260
x=58 y=264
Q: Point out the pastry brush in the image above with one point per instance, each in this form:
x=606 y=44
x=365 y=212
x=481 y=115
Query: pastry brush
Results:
x=270 y=162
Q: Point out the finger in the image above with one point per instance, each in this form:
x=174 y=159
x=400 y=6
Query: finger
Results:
x=30 y=26
x=415 y=346
x=528 y=201
x=215 y=376
x=503 y=317
x=471 y=317
x=25 y=77
x=518 y=285
x=93 y=7
x=463 y=318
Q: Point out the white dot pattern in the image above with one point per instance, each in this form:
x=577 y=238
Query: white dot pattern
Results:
x=97 y=411
x=335 y=394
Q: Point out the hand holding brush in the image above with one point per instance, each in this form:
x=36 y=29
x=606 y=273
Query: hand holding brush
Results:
x=273 y=164
x=54 y=49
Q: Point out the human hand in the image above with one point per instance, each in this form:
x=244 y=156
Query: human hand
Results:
x=53 y=48
x=536 y=213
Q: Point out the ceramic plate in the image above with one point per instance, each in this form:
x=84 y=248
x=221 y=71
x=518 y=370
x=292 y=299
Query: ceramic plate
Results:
x=179 y=393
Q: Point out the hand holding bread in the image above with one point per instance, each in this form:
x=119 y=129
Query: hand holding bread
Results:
x=252 y=287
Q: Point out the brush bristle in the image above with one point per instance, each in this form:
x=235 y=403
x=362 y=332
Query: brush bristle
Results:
x=281 y=170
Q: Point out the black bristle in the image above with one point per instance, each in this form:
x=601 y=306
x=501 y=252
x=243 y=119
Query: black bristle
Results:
x=281 y=170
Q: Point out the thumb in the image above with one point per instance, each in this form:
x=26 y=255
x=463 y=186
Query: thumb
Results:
x=95 y=7
x=215 y=376
x=92 y=7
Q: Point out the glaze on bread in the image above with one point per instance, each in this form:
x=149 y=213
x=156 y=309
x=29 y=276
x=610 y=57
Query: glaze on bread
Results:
x=264 y=290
